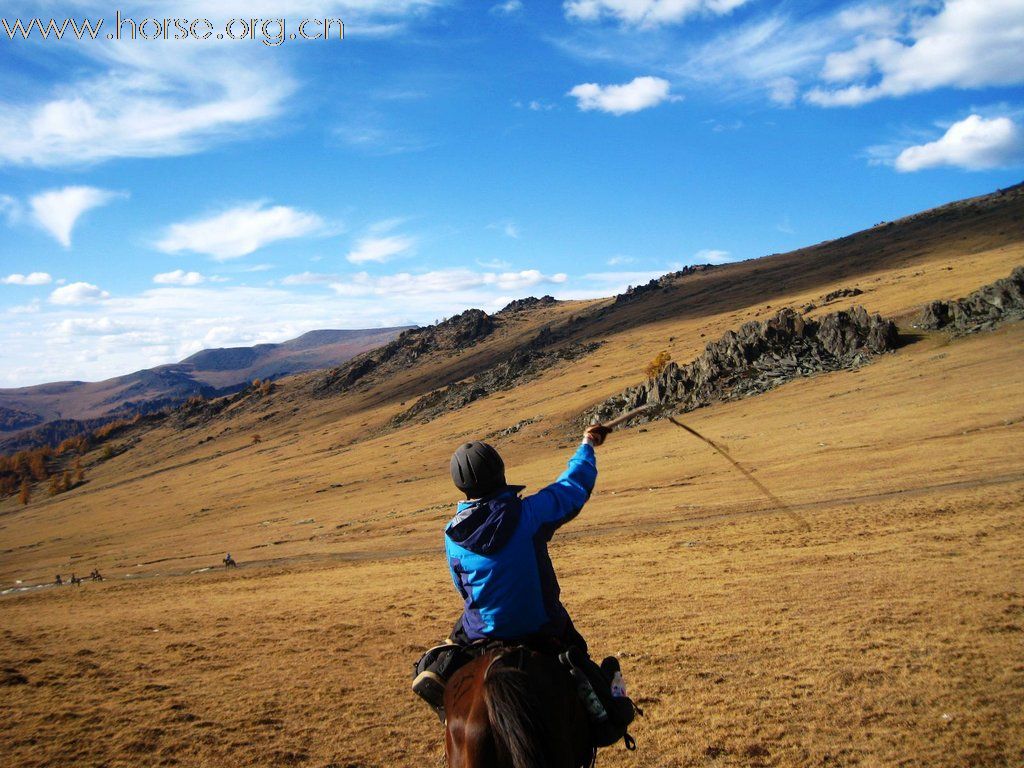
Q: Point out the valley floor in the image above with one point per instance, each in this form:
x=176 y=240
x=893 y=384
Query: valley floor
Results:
x=888 y=635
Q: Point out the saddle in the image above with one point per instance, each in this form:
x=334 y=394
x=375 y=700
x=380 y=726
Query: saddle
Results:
x=609 y=716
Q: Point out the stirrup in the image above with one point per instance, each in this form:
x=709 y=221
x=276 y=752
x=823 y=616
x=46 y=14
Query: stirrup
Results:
x=430 y=686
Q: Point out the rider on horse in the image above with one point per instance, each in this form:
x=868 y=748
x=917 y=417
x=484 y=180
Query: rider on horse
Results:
x=498 y=558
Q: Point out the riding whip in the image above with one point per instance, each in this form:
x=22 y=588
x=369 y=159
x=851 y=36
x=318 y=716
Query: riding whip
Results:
x=798 y=519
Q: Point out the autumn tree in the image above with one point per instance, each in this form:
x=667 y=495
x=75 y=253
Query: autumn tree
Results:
x=26 y=493
x=55 y=485
x=79 y=476
x=657 y=365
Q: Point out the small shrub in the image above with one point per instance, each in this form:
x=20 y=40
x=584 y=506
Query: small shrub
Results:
x=256 y=439
x=657 y=365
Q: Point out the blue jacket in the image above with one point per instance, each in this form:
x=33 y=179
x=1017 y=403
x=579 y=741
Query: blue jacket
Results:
x=498 y=554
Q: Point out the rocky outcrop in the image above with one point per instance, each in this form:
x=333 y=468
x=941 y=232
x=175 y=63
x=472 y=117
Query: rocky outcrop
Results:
x=523 y=365
x=758 y=357
x=530 y=302
x=456 y=333
x=840 y=293
x=985 y=309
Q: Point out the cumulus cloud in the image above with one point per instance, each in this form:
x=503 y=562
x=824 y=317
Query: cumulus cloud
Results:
x=966 y=44
x=179 y=277
x=33 y=278
x=647 y=13
x=239 y=231
x=640 y=93
x=380 y=249
x=77 y=293
x=974 y=143
x=58 y=210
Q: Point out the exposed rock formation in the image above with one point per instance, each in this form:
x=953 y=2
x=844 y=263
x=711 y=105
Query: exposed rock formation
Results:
x=758 y=357
x=455 y=333
x=840 y=293
x=530 y=302
x=524 y=364
x=986 y=308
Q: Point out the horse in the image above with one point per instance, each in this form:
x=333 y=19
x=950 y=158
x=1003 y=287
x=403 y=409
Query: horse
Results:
x=516 y=708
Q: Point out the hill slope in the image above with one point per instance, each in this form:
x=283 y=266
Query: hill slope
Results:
x=208 y=373
x=888 y=633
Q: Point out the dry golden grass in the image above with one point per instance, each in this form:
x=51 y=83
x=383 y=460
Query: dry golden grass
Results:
x=891 y=633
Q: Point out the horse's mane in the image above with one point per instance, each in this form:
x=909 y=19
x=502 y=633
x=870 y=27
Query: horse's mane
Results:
x=517 y=718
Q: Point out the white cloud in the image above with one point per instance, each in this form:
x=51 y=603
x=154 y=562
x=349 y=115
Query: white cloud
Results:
x=783 y=90
x=380 y=249
x=647 y=13
x=844 y=56
x=10 y=209
x=616 y=261
x=711 y=256
x=966 y=44
x=164 y=324
x=77 y=293
x=442 y=281
x=507 y=8
x=308 y=278
x=32 y=307
x=640 y=93
x=974 y=143
x=179 y=277
x=150 y=99
x=141 y=102
x=239 y=231
x=33 y=278
x=769 y=55
x=58 y=210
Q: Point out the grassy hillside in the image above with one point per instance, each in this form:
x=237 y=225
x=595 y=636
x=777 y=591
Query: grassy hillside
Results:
x=48 y=413
x=887 y=634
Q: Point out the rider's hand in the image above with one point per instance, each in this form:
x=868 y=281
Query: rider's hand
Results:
x=596 y=434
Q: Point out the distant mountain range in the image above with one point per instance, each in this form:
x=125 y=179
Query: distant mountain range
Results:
x=48 y=412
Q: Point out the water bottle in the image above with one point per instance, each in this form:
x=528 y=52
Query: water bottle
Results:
x=618 y=686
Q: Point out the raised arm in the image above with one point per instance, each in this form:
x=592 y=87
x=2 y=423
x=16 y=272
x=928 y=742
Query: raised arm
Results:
x=560 y=502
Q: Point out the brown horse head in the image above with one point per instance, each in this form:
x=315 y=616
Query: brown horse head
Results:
x=515 y=708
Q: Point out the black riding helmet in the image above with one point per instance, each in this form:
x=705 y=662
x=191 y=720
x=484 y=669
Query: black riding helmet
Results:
x=477 y=469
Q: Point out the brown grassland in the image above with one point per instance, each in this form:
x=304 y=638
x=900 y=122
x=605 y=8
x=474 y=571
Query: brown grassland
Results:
x=889 y=634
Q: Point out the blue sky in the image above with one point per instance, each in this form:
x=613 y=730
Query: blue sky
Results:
x=162 y=196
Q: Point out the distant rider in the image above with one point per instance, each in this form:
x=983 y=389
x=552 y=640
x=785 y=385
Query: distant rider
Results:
x=497 y=554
